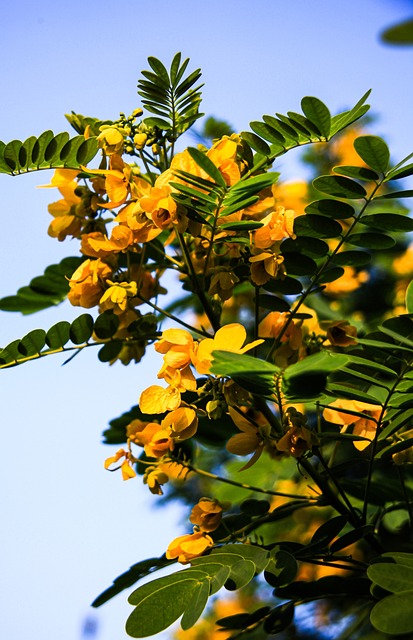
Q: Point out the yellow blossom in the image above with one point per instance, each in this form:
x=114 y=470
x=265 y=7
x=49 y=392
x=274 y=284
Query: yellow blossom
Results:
x=87 y=283
x=266 y=265
x=340 y=333
x=348 y=282
x=181 y=422
x=97 y=244
x=296 y=441
x=206 y=515
x=254 y=428
x=189 y=546
x=154 y=477
x=126 y=469
x=231 y=337
x=362 y=426
x=222 y=284
x=111 y=140
x=116 y=296
x=156 y=399
x=277 y=225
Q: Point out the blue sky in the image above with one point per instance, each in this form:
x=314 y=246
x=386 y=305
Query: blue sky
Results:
x=69 y=527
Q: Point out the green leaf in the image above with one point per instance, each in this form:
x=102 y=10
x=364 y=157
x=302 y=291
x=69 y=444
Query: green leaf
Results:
x=332 y=208
x=371 y=240
x=160 y=603
x=399 y=34
x=246 y=370
x=242 y=572
x=351 y=537
x=313 y=225
x=307 y=378
x=399 y=173
x=267 y=132
x=329 y=530
x=32 y=343
x=299 y=264
x=330 y=275
x=242 y=225
x=352 y=258
x=110 y=351
x=207 y=165
x=388 y=222
x=81 y=329
x=281 y=570
x=158 y=122
x=256 y=143
x=393 y=615
x=409 y=297
x=106 y=325
x=374 y=151
x=273 y=303
x=196 y=605
x=309 y=246
x=287 y=286
x=340 y=187
x=159 y=70
x=392 y=577
x=58 y=335
x=358 y=173
x=317 y=113
x=130 y=577
x=408 y=193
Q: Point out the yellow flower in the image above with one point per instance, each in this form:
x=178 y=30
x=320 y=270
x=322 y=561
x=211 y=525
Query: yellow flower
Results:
x=160 y=207
x=154 y=477
x=222 y=284
x=87 y=283
x=111 y=140
x=231 y=337
x=224 y=154
x=365 y=427
x=254 y=428
x=156 y=399
x=297 y=441
x=340 y=333
x=116 y=296
x=177 y=345
x=189 y=546
x=182 y=423
x=98 y=245
x=206 y=515
x=127 y=471
x=266 y=265
x=277 y=225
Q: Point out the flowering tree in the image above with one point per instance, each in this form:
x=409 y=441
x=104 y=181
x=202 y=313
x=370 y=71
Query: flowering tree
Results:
x=282 y=413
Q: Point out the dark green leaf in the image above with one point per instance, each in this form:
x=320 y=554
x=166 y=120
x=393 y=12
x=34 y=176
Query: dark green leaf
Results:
x=106 y=325
x=242 y=225
x=32 y=343
x=392 y=577
x=388 y=222
x=158 y=122
x=409 y=297
x=110 y=350
x=281 y=570
x=309 y=246
x=280 y=618
x=330 y=275
x=287 y=286
x=358 y=173
x=256 y=143
x=374 y=151
x=352 y=258
x=58 y=335
x=332 y=208
x=351 y=537
x=371 y=240
x=399 y=34
x=81 y=329
x=159 y=69
x=317 y=113
x=313 y=225
x=273 y=303
x=267 y=132
x=340 y=187
x=207 y=165
x=299 y=264
x=329 y=530
x=402 y=172
x=408 y=193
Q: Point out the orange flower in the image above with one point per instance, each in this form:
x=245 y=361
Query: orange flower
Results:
x=348 y=282
x=254 y=428
x=362 y=426
x=296 y=441
x=189 y=546
x=127 y=471
x=278 y=224
x=266 y=265
x=231 y=337
x=181 y=423
x=87 y=283
x=206 y=515
x=340 y=333
x=155 y=478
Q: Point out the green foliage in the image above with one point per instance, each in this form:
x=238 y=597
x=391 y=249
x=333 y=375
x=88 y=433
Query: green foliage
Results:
x=287 y=348
x=48 y=151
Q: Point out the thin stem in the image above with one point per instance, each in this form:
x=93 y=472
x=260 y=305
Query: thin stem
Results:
x=247 y=487
x=200 y=332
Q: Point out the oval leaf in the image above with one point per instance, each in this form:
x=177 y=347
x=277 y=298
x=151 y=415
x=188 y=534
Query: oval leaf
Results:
x=374 y=151
x=340 y=187
x=332 y=208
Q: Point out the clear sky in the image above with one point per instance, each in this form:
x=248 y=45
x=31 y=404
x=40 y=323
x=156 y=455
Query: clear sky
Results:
x=68 y=526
